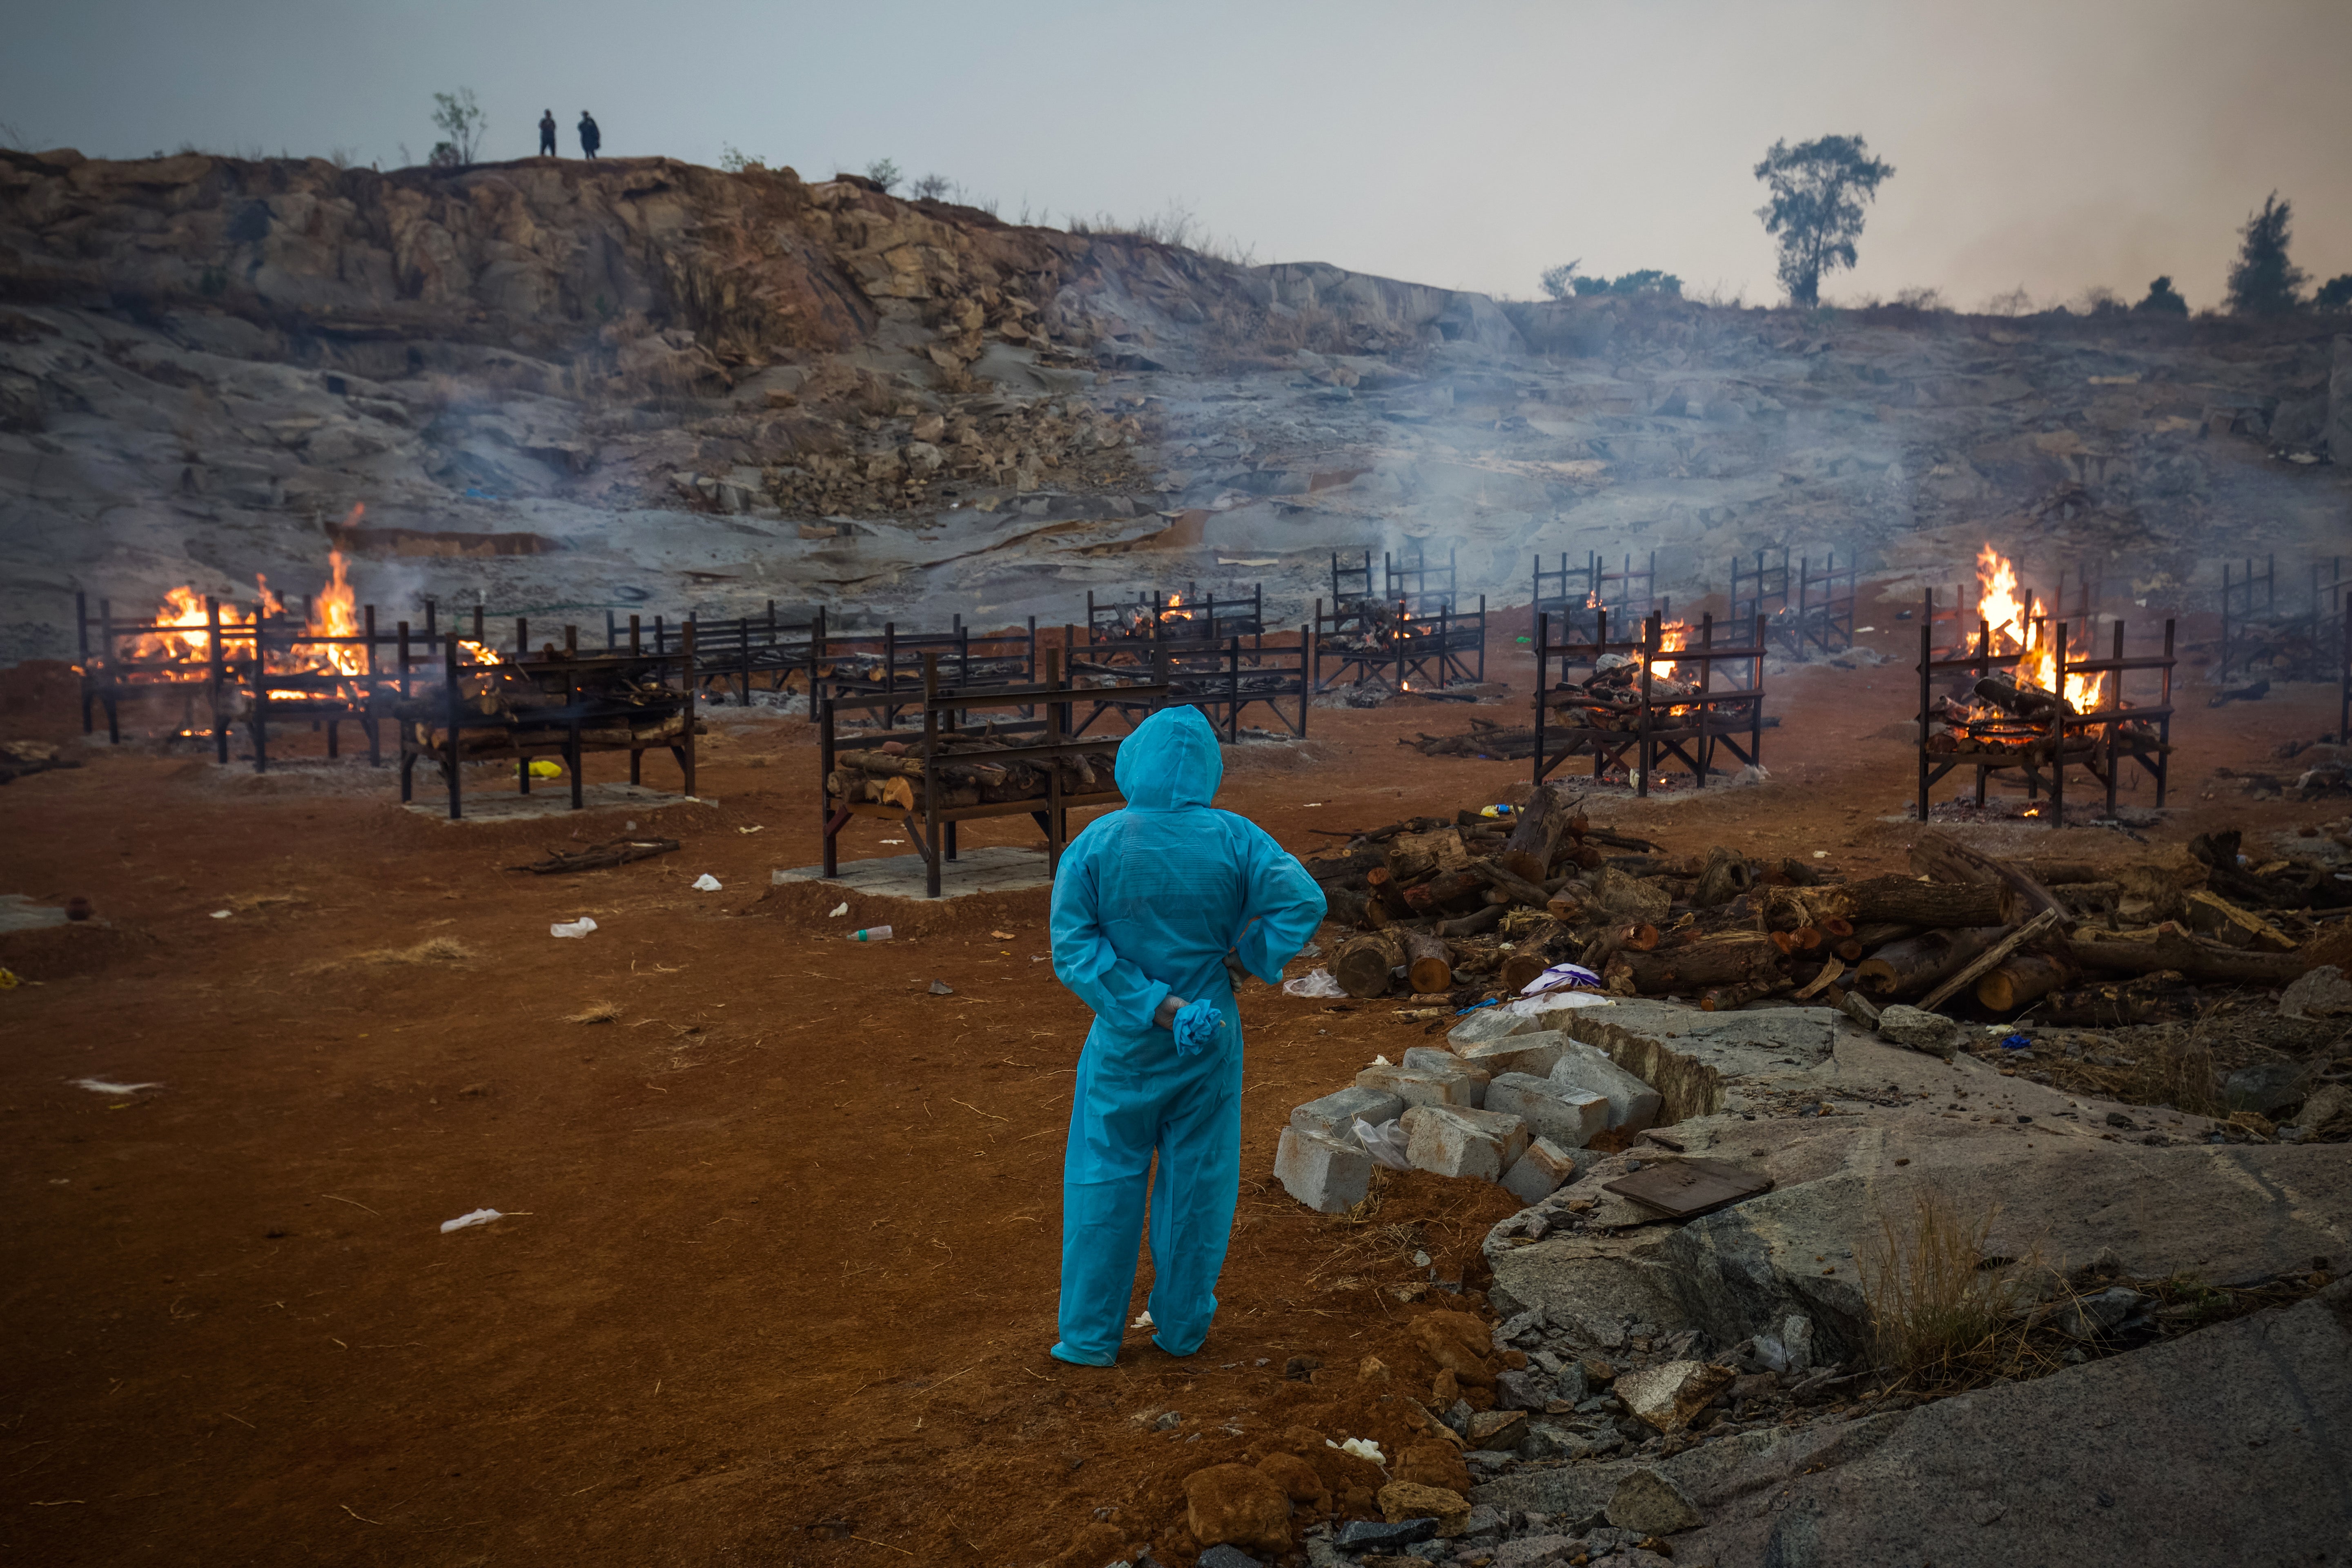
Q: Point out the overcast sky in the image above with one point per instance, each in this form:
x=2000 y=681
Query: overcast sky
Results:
x=2056 y=145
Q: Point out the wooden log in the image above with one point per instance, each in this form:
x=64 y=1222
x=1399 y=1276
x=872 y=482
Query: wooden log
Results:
x=1535 y=839
x=2162 y=997
x=1345 y=905
x=1910 y=967
x=2052 y=873
x=1517 y=886
x=1417 y=857
x=1347 y=866
x=1906 y=901
x=1725 y=877
x=2045 y=923
x=1734 y=958
x=1429 y=963
x=1520 y=969
x=1362 y=965
x=2022 y=978
x=1477 y=923
x=1946 y=859
x=1448 y=892
x=2172 y=948
x=1728 y=998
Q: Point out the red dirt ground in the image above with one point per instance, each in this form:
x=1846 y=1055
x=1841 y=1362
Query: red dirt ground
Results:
x=781 y=1269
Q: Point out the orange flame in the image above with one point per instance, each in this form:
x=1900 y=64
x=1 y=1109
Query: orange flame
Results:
x=2020 y=624
x=1673 y=635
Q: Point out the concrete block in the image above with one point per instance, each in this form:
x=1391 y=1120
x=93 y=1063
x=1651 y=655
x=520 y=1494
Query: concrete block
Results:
x=1489 y=1023
x=1632 y=1104
x=1327 y=1175
x=1416 y=1087
x=1454 y=1141
x=1535 y=1052
x=1445 y=1064
x=1542 y=1171
x=1334 y=1115
x=1567 y=1115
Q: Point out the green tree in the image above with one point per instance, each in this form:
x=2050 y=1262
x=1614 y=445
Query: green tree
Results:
x=2264 y=283
x=1818 y=190
x=2336 y=294
x=461 y=122
x=1559 y=281
x=883 y=172
x=2163 y=300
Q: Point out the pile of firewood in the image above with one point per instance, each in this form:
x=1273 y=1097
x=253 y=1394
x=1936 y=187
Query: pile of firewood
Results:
x=1478 y=906
x=892 y=774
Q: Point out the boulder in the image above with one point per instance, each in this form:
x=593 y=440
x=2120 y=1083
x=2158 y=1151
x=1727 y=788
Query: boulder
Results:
x=1698 y=1060
x=1327 y=1175
x=1538 y=1173
x=1533 y=1052
x=1652 y=1503
x=1239 y=1505
x=1401 y=1500
x=2322 y=992
x=1462 y=1091
x=1669 y=1394
x=1334 y=1116
x=1919 y=1030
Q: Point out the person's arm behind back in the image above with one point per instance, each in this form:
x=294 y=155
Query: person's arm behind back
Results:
x=1118 y=992
x=1284 y=905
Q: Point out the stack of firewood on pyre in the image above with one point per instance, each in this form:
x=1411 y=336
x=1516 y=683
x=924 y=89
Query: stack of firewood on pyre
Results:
x=503 y=706
x=892 y=774
x=2008 y=717
x=1476 y=906
x=1611 y=700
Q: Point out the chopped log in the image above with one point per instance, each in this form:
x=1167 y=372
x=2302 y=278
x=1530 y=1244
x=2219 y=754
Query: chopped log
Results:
x=1830 y=973
x=1725 y=877
x=1429 y=965
x=1799 y=874
x=1536 y=835
x=2053 y=873
x=1345 y=905
x=1449 y=891
x=1910 y=967
x=1350 y=865
x=1362 y=965
x=1417 y=857
x=1520 y=969
x=1946 y=859
x=1735 y=958
x=2216 y=916
x=1878 y=933
x=2021 y=977
x=2047 y=922
x=1906 y=901
x=1849 y=950
x=1472 y=924
x=2172 y=948
x=2159 y=998
x=1729 y=998
x=1518 y=887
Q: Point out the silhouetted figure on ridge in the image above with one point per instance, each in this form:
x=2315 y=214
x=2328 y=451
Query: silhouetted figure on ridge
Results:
x=547 y=133
x=590 y=137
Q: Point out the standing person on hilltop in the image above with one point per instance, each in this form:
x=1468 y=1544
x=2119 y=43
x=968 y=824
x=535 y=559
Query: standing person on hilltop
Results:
x=1148 y=902
x=590 y=137
x=547 y=133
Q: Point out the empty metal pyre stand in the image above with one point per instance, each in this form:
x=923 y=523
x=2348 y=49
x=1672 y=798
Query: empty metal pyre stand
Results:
x=1687 y=727
x=2099 y=741
x=1015 y=750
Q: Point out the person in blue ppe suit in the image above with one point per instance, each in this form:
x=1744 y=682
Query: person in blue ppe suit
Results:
x=1147 y=903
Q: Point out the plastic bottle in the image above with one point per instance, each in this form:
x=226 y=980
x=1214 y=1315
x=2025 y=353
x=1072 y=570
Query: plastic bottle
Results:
x=871 y=933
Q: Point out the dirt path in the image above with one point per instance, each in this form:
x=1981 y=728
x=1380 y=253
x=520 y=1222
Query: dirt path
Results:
x=781 y=1269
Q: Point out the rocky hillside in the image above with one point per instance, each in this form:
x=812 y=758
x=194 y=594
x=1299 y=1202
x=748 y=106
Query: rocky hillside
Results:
x=646 y=383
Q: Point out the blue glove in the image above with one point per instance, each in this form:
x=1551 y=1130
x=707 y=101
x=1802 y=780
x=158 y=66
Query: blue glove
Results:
x=1197 y=1024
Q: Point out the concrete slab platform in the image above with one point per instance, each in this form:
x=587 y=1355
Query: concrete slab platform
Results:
x=549 y=798
x=993 y=869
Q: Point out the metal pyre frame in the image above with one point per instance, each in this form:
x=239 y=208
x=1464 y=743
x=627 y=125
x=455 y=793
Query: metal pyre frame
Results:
x=563 y=705
x=2099 y=741
x=1221 y=676
x=889 y=664
x=1570 y=595
x=1687 y=727
x=1807 y=607
x=2289 y=644
x=1414 y=629
x=1032 y=745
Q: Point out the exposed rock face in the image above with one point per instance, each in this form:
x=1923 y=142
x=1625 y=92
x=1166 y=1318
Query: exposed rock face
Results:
x=640 y=381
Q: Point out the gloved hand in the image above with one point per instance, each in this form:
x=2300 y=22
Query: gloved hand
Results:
x=1197 y=1025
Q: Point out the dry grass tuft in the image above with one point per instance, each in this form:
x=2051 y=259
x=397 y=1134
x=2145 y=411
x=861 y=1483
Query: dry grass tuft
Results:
x=1945 y=1316
x=596 y=1013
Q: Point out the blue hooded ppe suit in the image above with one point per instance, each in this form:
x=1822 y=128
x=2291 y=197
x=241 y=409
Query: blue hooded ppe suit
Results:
x=1146 y=902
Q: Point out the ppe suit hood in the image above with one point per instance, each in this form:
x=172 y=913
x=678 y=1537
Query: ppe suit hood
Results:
x=1171 y=759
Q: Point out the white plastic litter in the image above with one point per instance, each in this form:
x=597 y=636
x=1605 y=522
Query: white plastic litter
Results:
x=838 y=910
x=1363 y=1447
x=1559 y=976
x=1382 y=1060
x=1317 y=985
x=1551 y=1001
x=1143 y=1320
x=220 y=914
x=480 y=1216
x=705 y=883
x=580 y=927
x=1384 y=1143
x=104 y=1085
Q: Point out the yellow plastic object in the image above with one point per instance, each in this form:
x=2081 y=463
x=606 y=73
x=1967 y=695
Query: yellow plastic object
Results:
x=542 y=768
x=8 y=981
